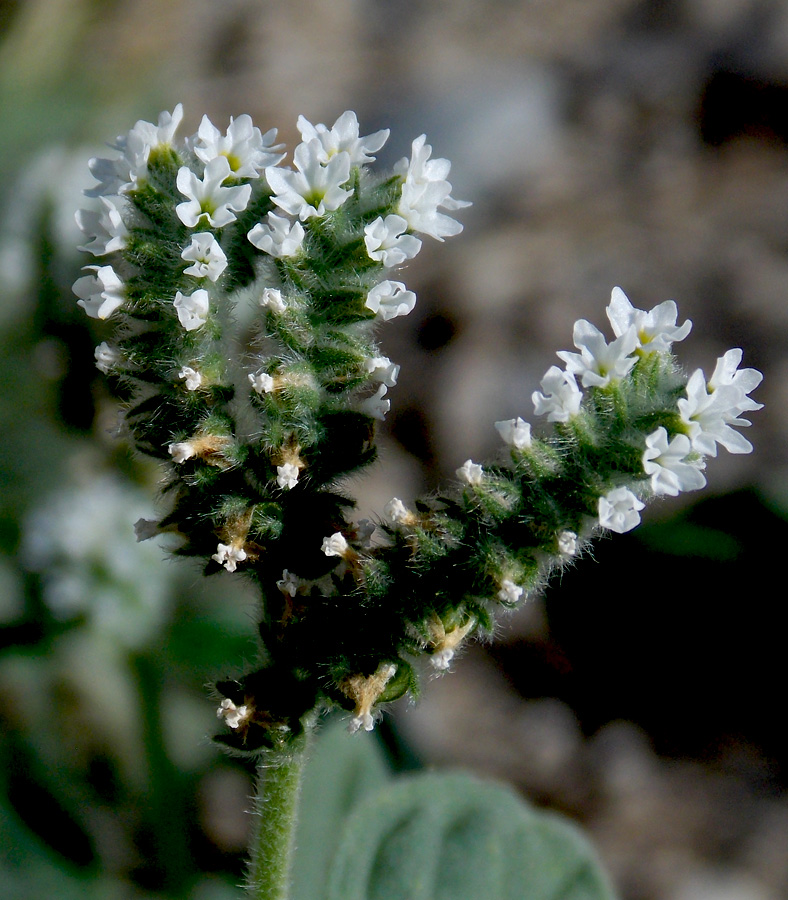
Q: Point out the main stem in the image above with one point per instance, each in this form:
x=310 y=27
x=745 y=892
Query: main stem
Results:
x=276 y=806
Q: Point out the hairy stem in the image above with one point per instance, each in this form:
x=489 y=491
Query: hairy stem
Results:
x=276 y=807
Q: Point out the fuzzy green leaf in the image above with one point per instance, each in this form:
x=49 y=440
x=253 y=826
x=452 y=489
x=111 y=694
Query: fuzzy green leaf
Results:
x=454 y=837
x=341 y=771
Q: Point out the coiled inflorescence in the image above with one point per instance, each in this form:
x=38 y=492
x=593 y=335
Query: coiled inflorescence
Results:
x=246 y=296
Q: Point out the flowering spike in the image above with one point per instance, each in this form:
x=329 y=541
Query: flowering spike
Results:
x=248 y=305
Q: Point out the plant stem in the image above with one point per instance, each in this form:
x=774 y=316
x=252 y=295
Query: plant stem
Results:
x=276 y=806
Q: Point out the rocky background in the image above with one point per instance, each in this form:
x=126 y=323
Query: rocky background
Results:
x=602 y=142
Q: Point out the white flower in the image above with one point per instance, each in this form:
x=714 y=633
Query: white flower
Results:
x=246 y=149
x=470 y=472
x=192 y=309
x=262 y=383
x=726 y=374
x=342 y=137
x=208 y=198
x=117 y=176
x=289 y=583
x=567 y=543
x=598 y=362
x=387 y=242
x=619 y=510
x=192 y=376
x=562 y=399
x=709 y=416
x=105 y=226
x=287 y=476
x=375 y=405
x=335 y=545
x=665 y=461
x=279 y=238
x=100 y=294
x=655 y=330
x=425 y=190
x=272 y=298
x=106 y=357
x=396 y=511
x=181 y=451
x=390 y=299
x=382 y=369
x=229 y=556
x=515 y=432
x=509 y=593
x=233 y=715
x=206 y=256
x=314 y=189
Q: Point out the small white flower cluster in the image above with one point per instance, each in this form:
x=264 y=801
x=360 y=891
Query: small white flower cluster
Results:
x=216 y=182
x=599 y=363
x=709 y=413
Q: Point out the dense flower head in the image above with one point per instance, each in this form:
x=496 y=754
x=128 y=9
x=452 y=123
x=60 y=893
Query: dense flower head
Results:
x=248 y=297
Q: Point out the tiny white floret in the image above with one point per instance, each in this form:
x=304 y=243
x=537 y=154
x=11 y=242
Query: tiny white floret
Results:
x=262 y=382
x=562 y=398
x=666 y=461
x=470 y=472
x=390 y=299
x=272 y=299
x=208 y=198
x=279 y=237
x=192 y=377
x=335 y=545
x=515 y=432
x=567 y=543
x=377 y=405
x=106 y=357
x=396 y=511
x=382 y=369
x=229 y=556
x=656 y=329
x=509 y=592
x=192 y=309
x=388 y=242
x=287 y=476
x=619 y=510
x=100 y=294
x=207 y=258
x=181 y=451
x=233 y=715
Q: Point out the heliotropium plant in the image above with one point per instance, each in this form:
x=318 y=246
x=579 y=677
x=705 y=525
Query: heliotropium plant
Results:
x=247 y=297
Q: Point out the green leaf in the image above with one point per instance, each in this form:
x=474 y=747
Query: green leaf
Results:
x=341 y=771
x=454 y=837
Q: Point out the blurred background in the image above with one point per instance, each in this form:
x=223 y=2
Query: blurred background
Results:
x=602 y=142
